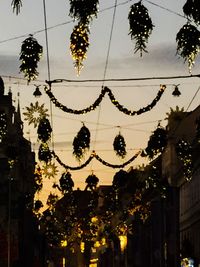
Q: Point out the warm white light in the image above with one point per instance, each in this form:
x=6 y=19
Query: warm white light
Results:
x=123 y=242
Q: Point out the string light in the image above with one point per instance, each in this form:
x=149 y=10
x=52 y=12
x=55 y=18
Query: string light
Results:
x=192 y=10
x=105 y=90
x=119 y=146
x=3 y=125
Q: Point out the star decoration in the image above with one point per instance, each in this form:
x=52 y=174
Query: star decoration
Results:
x=35 y=113
x=50 y=170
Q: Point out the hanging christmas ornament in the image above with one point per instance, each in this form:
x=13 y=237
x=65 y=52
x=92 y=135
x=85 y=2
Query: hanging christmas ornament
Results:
x=81 y=142
x=120 y=179
x=192 y=10
x=30 y=55
x=66 y=183
x=16 y=5
x=3 y=125
x=188 y=44
x=44 y=130
x=79 y=43
x=119 y=146
x=176 y=91
x=50 y=170
x=83 y=10
x=140 y=26
x=44 y=154
x=35 y=113
x=157 y=142
x=91 y=181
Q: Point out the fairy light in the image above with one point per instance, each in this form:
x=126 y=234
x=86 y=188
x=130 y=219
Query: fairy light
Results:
x=3 y=126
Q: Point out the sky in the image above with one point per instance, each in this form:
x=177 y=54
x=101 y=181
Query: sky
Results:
x=160 y=61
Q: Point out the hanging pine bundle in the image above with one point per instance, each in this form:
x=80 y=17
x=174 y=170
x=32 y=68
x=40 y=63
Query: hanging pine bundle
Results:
x=119 y=146
x=16 y=5
x=81 y=142
x=157 y=142
x=120 y=179
x=83 y=10
x=192 y=10
x=44 y=130
x=44 y=154
x=188 y=44
x=3 y=125
x=30 y=55
x=140 y=26
x=91 y=181
x=66 y=183
x=79 y=43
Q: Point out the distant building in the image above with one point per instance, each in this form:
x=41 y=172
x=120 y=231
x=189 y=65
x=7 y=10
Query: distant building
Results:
x=18 y=228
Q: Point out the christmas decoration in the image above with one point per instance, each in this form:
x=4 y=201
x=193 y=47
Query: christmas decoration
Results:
x=35 y=113
x=51 y=200
x=44 y=154
x=120 y=179
x=16 y=5
x=81 y=142
x=3 y=125
x=38 y=178
x=192 y=10
x=184 y=153
x=37 y=206
x=119 y=146
x=176 y=91
x=44 y=130
x=91 y=181
x=140 y=26
x=112 y=99
x=94 y=155
x=66 y=183
x=30 y=55
x=83 y=10
x=188 y=44
x=157 y=142
x=50 y=170
x=79 y=43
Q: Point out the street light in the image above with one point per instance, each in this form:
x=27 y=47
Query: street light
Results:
x=37 y=92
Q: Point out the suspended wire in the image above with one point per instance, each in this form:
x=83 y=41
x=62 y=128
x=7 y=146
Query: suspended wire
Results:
x=106 y=66
x=102 y=10
x=48 y=67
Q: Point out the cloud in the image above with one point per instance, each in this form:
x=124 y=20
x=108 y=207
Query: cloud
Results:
x=9 y=65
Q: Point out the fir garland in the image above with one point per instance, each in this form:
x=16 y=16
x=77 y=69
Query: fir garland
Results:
x=81 y=142
x=112 y=99
x=94 y=155
x=31 y=52
x=140 y=26
x=44 y=130
x=79 y=43
x=188 y=44
x=119 y=146
x=16 y=5
x=192 y=10
x=83 y=10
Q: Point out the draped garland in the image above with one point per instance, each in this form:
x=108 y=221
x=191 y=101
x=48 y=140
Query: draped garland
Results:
x=94 y=155
x=105 y=90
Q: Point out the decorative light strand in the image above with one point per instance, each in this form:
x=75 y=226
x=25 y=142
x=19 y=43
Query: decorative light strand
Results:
x=100 y=98
x=94 y=155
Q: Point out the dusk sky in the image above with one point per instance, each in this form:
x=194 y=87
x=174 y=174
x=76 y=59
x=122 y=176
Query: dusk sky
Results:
x=161 y=60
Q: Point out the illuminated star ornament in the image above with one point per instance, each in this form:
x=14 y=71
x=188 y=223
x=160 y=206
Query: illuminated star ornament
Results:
x=35 y=113
x=50 y=170
x=140 y=26
x=31 y=52
x=79 y=43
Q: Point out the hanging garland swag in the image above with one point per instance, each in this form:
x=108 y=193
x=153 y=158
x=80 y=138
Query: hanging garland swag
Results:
x=105 y=90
